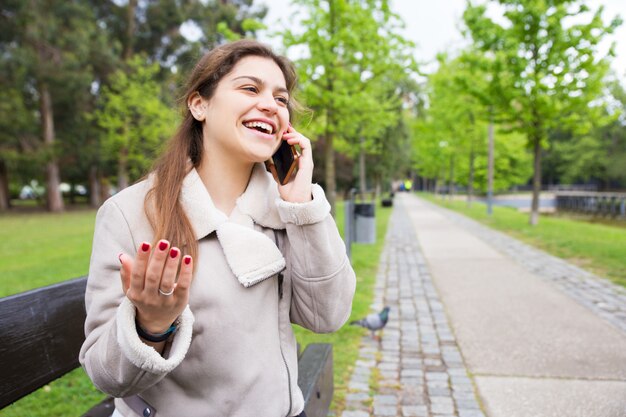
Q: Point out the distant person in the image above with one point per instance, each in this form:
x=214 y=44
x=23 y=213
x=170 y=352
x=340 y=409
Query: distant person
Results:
x=216 y=258
x=408 y=185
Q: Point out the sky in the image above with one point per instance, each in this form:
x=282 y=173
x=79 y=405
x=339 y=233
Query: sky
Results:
x=434 y=26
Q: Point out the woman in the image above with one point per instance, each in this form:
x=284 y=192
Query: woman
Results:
x=217 y=258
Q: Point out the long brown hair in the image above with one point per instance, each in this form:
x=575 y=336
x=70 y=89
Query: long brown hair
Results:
x=162 y=205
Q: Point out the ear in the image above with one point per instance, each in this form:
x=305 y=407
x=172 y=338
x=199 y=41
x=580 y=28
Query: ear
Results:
x=197 y=106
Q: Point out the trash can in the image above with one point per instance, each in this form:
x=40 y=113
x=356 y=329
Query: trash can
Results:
x=365 y=223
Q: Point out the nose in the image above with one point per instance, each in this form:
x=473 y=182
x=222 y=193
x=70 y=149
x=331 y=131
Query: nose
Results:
x=267 y=103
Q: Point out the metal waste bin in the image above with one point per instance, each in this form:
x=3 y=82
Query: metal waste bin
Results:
x=365 y=223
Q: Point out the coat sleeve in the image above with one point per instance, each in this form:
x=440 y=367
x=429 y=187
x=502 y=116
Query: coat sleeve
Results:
x=323 y=281
x=113 y=356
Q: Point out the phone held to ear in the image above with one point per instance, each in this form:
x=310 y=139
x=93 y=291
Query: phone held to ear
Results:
x=283 y=163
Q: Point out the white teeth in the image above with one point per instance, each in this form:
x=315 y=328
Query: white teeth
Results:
x=268 y=128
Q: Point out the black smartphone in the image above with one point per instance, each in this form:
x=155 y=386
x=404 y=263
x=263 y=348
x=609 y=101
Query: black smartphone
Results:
x=283 y=163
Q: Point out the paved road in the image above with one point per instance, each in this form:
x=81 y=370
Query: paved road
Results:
x=482 y=325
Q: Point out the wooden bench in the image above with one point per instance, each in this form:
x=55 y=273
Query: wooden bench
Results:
x=42 y=332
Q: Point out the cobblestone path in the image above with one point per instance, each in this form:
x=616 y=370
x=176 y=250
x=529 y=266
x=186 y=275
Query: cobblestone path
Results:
x=416 y=369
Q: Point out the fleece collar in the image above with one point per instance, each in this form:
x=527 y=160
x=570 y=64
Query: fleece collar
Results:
x=251 y=255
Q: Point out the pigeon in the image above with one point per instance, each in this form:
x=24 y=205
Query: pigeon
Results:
x=374 y=321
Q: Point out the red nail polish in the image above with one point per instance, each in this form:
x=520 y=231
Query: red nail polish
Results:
x=145 y=247
x=173 y=253
x=187 y=260
x=162 y=245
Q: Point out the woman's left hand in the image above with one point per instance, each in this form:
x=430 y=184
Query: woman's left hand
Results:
x=298 y=190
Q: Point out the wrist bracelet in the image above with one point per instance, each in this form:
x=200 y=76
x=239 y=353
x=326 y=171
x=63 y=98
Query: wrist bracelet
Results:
x=155 y=337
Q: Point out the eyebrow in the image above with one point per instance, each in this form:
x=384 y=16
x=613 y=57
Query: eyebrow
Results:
x=260 y=82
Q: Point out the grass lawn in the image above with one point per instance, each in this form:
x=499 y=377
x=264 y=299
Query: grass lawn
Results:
x=42 y=249
x=596 y=247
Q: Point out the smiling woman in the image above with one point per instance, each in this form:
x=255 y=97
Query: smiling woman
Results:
x=216 y=259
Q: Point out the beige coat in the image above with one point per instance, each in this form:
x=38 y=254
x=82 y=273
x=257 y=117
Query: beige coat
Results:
x=234 y=353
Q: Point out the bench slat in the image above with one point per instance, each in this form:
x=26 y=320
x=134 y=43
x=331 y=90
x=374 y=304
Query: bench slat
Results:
x=41 y=333
x=315 y=378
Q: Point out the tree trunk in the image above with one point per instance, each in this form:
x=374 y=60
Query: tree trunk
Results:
x=329 y=155
x=329 y=151
x=105 y=187
x=451 y=179
x=470 y=180
x=378 y=188
x=5 y=198
x=122 y=169
x=490 y=156
x=94 y=187
x=130 y=30
x=362 y=182
x=54 y=200
x=534 y=210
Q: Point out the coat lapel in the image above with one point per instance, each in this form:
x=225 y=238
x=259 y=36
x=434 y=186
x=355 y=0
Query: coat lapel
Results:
x=251 y=255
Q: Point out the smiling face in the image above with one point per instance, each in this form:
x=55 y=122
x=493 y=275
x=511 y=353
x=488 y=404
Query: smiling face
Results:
x=247 y=115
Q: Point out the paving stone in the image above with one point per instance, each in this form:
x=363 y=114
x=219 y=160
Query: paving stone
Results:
x=385 y=400
x=358 y=386
x=432 y=362
x=385 y=411
x=460 y=380
x=464 y=395
x=467 y=404
x=437 y=383
x=389 y=374
x=437 y=408
x=388 y=366
x=416 y=373
x=414 y=411
x=438 y=391
x=470 y=413
x=357 y=396
x=437 y=376
x=355 y=413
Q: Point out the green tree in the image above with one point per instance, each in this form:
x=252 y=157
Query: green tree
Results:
x=134 y=119
x=597 y=155
x=451 y=140
x=350 y=75
x=553 y=66
x=154 y=30
x=18 y=135
x=49 y=48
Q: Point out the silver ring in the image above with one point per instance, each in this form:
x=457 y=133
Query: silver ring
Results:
x=166 y=293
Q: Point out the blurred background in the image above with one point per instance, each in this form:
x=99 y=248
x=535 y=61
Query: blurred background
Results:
x=395 y=89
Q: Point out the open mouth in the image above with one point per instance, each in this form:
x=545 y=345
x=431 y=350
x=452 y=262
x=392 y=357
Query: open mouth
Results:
x=261 y=127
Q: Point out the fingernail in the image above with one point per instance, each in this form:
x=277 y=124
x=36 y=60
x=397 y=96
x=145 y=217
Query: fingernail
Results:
x=119 y=257
x=173 y=253
x=145 y=247
x=162 y=245
x=187 y=260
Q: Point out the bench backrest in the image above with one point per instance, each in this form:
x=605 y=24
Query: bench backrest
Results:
x=41 y=332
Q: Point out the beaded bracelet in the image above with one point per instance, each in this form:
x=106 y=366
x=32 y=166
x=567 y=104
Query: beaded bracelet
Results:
x=152 y=337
